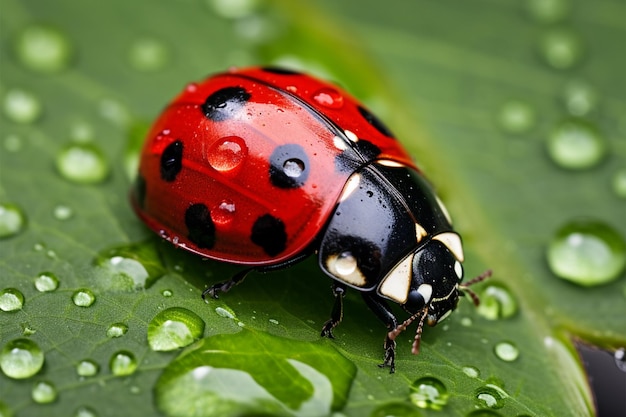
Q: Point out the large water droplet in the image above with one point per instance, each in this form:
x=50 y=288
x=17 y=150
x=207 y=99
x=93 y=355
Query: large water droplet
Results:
x=496 y=302
x=548 y=11
x=618 y=183
x=471 y=371
x=517 y=117
x=83 y=297
x=123 y=363
x=587 y=252
x=174 y=328
x=44 y=392
x=576 y=144
x=246 y=374
x=21 y=358
x=117 y=330
x=46 y=282
x=43 y=49
x=87 y=368
x=129 y=267
x=11 y=299
x=490 y=396
x=12 y=220
x=21 y=106
x=429 y=392
x=82 y=163
x=561 y=48
x=148 y=55
x=227 y=154
x=506 y=351
x=396 y=409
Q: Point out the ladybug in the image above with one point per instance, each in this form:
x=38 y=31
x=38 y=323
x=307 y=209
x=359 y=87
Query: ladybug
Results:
x=264 y=167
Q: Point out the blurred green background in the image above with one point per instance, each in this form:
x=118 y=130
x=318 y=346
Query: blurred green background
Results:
x=515 y=110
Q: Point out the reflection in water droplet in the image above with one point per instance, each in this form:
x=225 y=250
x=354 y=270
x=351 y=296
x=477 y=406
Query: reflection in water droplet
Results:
x=11 y=299
x=12 y=220
x=44 y=392
x=148 y=55
x=123 y=363
x=21 y=106
x=396 y=409
x=224 y=213
x=87 y=368
x=227 y=154
x=174 y=328
x=225 y=312
x=83 y=297
x=85 y=411
x=579 y=98
x=496 y=302
x=548 y=11
x=328 y=97
x=21 y=358
x=62 y=212
x=429 y=392
x=167 y=293
x=587 y=252
x=561 y=48
x=619 y=183
x=82 y=163
x=128 y=268
x=46 y=282
x=517 y=117
x=471 y=371
x=43 y=49
x=506 y=351
x=490 y=396
x=576 y=144
x=117 y=330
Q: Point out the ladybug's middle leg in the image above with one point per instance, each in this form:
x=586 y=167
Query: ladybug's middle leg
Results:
x=225 y=286
x=384 y=313
x=339 y=290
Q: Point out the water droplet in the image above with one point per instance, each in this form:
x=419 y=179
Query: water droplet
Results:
x=576 y=144
x=484 y=413
x=46 y=282
x=12 y=220
x=345 y=264
x=82 y=163
x=466 y=321
x=115 y=112
x=506 y=351
x=548 y=11
x=328 y=97
x=62 y=212
x=87 y=368
x=174 y=328
x=227 y=154
x=21 y=358
x=490 y=396
x=579 y=97
x=561 y=48
x=44 y=392
x=129 y=267
x=619 y=183
x=274 y=321
x=471 y=371
x=117 y=330
x=496 y=302
x=43 y=49
x=27 y=329
x=225 y=312
x=21 y=106
x=148 y=55
x=83 y=297
x=85 y=411
x=167 y=293
x=234 y=9
x=587 y=252
x=224 y=213
x=11 y=299
x=396 y=409
x=13 y=143
x=123 y=363
x=517 y=117
x=429 y=392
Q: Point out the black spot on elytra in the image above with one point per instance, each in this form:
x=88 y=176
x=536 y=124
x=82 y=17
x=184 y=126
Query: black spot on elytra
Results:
x=289 y=166
x=269 y=233
x=200 y=226
x=139 y=193
x=375 y=121
x=281 y=71
x=356 y=155
x=225 y=103
x=172 y=161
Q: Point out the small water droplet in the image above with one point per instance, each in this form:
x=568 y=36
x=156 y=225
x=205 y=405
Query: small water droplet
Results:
x=191 y=87
x=174 y=328
x=548 y=11
x=471 y=371
x=21 y=106
x=227 y=154
x=234 y=9
x=466 y=321
x=490 y=396
x=224 y=213
x=429 y=392
x=620 y=359
x=496 y=302
x=576 y=144
x=117 y=330
x=579 y=98
x=85 y=411
x=123 y=363
x=13 y=143
x=46 y=282
x=83 y=297
x=21 y=358
x=148 y=55
x=328 y=97
x=587 y=252
x=618 y=183
x=129 y=267
x=167 y=293
x=517 y=117
x=43 y=49
x=27 y=329
x=62 y=212
x=345 y=264
x=11 y=299
x=396 y=409
x=561 y=48
x=506 y=351
x=273 y=321
x=12 y=220
x=225 y=312
x=44 y=392
x=87 y=368
x=82 y=163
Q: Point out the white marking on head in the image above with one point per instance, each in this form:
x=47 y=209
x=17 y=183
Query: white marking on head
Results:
x=351 y=185
x=444 y=209
x=350 y=135
x=420 y=232
x=452 y=241
x=340 y=143
x=458 y=268
x=426 y=291
x=396 y=284
x=345 y=267
x=391 y=164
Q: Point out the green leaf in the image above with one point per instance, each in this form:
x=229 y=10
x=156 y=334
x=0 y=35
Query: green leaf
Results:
x=475 y=90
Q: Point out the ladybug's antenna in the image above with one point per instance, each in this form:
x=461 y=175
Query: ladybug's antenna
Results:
x=465 y=287
x=418 y=335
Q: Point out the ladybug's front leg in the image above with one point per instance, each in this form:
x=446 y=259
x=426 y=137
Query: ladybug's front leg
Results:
x=384 y=313
x=225 y=286
x=336 y=315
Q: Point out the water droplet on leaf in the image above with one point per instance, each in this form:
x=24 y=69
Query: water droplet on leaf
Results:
x=506 y=351
x=87 y=368
x=62 y=212
x=561 y=48
x=117 y=330
x=43 y=49
x=129 y=267
x=21 y=106
x=12 y=220
x=21 y=358
x=46 y=282
x=396 y=409
x=496 y=302
x=82 y=163
x=619 y=183
x=548 y=11
x=576 y=144
x=148 y=55
x=11 y=299
x=429 y=392
x=83 y=297
x=490 y=396
x=225 y=312
x=44 y=392
x=517 y=117
x=123 y=363
x=174 y=328
x=471 y=371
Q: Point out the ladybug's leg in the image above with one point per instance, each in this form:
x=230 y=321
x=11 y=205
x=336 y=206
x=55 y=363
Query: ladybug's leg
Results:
x=339 y=290
x=224 y=286
x=384 y=313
